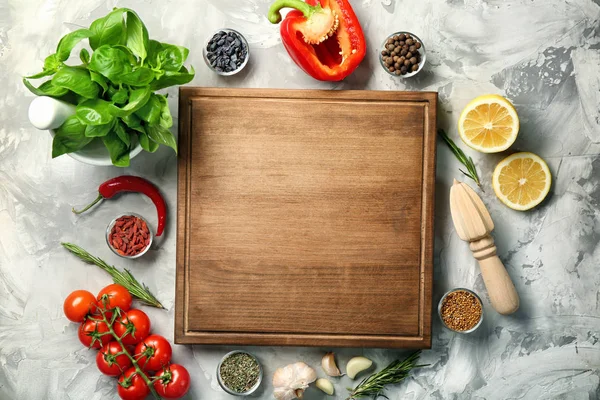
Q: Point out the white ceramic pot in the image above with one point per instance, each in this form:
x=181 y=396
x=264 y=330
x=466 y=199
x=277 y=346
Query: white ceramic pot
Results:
x=47 y=113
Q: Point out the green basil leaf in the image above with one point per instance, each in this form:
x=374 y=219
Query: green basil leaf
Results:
x=110 y=62
x=45 y=89
x=108 y=30
x=171 y=78
x=66 y=44
x=147 y=144
x=118 y=96
x=162 y=136
x=100 y=80
x=77 y=80
x=167 y=56
x=165 y=120
x=98 y=130
x=137 y=99
x=119 y=152
x=84 y=56
x=122 y=133
x=140 y=77
x=137 y=35
x=151 y=111
x=41 y=74
x=94 y=112
x=134 y=122
x=69 y=137
x=51 y=63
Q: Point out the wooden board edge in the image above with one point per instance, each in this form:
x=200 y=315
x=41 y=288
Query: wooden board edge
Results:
x=305 y=340
x=182 y=194
x=428 y=219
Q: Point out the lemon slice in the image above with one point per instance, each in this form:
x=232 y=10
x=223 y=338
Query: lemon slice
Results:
x=522 y=181
x=489 y=124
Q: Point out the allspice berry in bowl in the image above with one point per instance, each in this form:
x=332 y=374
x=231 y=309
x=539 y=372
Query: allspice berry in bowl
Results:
x=461 y=310
x=402 y=54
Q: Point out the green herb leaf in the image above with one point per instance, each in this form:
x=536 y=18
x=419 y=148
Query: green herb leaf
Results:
x=140 y=77
x=77 y=80
x=69 y=137
x=122 y=134
x=118 y=96
x=147 y=144
x=46 y=89
x=84 y=56
x=137 y=35
x=110 y=62
x=98 y=130
x=123 y=278
x=166 y=120
x=108 y=30
x=94 y=112
x=151 y=111
x=41 y=74
x=51 y=63
x=171 y=78
x=119 y=151
x=100 y=80
x=68 y=42
x=460 y=155
x=137 y=99
x=167 y=57
x=162 y=136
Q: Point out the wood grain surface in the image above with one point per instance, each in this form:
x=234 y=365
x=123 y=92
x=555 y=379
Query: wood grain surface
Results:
x=305 y=217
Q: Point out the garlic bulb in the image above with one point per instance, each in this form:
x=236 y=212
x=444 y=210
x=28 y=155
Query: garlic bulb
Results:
x=290 y=381
x=329 y=365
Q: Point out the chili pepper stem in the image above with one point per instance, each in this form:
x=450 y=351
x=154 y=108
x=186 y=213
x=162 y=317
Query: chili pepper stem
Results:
x=306 y=9
x=133 y=361
x=92 y=204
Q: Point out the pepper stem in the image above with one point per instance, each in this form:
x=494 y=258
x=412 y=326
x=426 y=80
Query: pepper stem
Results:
x=274 y=14
x=92 y=204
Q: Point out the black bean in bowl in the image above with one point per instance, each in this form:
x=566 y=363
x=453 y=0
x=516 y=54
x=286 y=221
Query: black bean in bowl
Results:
x=402 y=54
x=226 y=52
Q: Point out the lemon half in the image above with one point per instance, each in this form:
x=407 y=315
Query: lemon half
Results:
x=489 y=124
x=522 y=181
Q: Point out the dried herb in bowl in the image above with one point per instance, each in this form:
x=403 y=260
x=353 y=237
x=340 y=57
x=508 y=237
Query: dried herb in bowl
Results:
x=239 y=372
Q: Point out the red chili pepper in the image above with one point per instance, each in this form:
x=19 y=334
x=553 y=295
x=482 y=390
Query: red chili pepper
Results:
x=323 y=37
x=128 y=183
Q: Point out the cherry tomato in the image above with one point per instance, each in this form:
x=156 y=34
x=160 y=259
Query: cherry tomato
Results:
x=79 y=304
x=133 y=326
x=110 y=362
x=173 y=382
x=114 y=296
x=154 y=353
x=132 y=386
x=91 y=334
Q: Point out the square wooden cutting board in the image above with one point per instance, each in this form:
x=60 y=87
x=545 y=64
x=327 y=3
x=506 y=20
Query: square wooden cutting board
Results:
x=305 y=217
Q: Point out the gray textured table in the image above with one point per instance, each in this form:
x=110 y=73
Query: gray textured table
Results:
x=543 y=54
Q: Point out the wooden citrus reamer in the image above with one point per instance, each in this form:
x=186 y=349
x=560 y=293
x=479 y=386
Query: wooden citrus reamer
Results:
x=474 y=224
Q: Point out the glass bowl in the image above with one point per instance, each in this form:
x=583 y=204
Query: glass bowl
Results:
x=458 y=290
x=421 y=51
x=109 y=229
x=231 y=392
x=223 y=73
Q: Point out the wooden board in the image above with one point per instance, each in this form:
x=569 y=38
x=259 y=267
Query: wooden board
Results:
x=305 y=217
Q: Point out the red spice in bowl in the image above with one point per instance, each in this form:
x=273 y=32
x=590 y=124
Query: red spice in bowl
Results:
x=129 y=236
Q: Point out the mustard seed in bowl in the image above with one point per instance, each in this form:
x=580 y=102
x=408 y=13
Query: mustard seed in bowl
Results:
x=461 y=310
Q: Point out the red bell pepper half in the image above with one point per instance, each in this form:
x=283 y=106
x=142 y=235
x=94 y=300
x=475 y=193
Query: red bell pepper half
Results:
x=323 y=37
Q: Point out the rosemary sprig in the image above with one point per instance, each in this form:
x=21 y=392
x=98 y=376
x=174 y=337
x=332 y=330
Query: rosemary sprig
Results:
x=390 y=375
x=466 y=161
x=123 y=278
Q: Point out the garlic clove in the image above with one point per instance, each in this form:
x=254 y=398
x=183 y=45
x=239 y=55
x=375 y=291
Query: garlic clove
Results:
x=329 y=365
x=290 y=381
x=356 y=365
x=325 y=385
